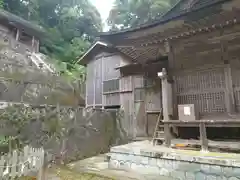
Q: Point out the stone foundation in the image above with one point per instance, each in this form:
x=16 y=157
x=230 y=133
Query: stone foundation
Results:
x=153 y=162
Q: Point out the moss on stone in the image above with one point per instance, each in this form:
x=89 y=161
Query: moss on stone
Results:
x=67 y=174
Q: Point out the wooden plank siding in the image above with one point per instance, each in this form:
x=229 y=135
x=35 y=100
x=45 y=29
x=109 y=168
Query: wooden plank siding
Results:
x=111 y=96
x=206 y=72
x=102 y=82
x=127 y=101
x=147 y=100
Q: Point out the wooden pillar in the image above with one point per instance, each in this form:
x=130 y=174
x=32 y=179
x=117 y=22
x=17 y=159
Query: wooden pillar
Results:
x=229 y=94
x=37 y=46
x=203 y=137
x=94 y=86
x=166 y=104
x=17 y=35
x=171 y=57
x=33 y=43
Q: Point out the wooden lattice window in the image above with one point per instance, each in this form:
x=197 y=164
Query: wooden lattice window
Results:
x=205 y=89
x=111 y=86
x=139 y=94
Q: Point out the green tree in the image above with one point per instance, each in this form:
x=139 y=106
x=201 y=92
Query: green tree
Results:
x=71 y=25
x=130 y=13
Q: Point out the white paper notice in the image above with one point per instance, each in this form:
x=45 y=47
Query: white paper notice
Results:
x=187 y=111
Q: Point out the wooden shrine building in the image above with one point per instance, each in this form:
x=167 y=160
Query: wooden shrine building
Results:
x=21 y=35
x=188 y=62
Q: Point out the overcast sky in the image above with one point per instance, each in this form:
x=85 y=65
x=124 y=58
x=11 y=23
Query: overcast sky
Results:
x=103 y=6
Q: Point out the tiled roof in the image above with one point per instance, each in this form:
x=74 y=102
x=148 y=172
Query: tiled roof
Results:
x=185 y=6
x=181 y=8
x=19 y=22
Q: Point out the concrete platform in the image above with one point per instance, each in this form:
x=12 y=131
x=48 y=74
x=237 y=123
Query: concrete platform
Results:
x=98 y=165
x=157 y=161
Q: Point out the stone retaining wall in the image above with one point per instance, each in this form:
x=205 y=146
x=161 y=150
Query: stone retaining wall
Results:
x=153 y=167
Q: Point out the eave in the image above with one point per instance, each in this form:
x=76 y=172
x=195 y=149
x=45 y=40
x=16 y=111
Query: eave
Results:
x=165 y=19
x=21 y=23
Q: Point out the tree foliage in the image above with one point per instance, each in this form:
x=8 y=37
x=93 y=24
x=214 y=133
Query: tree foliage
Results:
x=130 y=13
x=71 y=25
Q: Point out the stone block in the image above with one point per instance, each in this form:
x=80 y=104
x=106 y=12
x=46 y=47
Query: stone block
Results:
x=236 y=172
x=121 y=165
x=152 y=162
x=168 y=164
x=160 y=163
x=205 y=168
x=153 y=170
x=113 y=164
x=138 y=168
x=164 y=172
x=134 y=166
x=216 y=170
x=201 y=176
x=233 y=178
x=180 y=175
x=133 y=158
x=211 y=177
x=136 y=159
x=129 y=157
x=175 y=165
x=221 y=178
x=125 y=165
x=227 y=171
x=144 y=160
x=119 y=157
x=190 y=167
x=190 y=176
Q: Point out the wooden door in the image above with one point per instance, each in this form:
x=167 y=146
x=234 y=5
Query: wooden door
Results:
x=151 y=123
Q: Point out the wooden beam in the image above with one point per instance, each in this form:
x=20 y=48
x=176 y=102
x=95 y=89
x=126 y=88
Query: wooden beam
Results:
x=17 y=35
x=33 y=42
x=165 y=104
x=203 y=136
x=229 y=95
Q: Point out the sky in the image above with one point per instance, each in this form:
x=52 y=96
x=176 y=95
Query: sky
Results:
x=104 y=7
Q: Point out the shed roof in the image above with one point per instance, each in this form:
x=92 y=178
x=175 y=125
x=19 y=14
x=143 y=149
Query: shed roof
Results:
x=21 y=23
x=96 y=46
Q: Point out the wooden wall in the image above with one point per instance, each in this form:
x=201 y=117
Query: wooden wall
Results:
x=111 y=75
x=206 y=72
x=8 y=36
x=102 y=83
x=127 y=101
